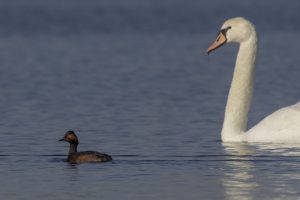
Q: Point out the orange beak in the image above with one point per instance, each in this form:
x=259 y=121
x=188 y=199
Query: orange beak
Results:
x=221 y=39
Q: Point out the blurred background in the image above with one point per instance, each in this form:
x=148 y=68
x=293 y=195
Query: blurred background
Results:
x=54 y=17
x=132 y=79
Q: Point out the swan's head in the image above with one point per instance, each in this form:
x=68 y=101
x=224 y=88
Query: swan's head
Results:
x=233 y=30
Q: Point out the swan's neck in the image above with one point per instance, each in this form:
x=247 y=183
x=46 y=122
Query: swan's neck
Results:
x=239 y=98
x=73 y=148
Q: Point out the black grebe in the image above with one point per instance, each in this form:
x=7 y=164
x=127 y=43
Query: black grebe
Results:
x=75 y=157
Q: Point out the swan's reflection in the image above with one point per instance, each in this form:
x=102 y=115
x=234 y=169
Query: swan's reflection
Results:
x=243 y=177
x=238 y=179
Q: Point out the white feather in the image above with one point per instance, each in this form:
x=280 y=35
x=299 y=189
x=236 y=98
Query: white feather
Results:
x=283 y=126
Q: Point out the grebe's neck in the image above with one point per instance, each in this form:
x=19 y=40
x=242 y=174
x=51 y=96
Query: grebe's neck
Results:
x=73 y=148
x=240 y=94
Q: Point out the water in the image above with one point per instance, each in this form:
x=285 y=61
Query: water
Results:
x=132 y=79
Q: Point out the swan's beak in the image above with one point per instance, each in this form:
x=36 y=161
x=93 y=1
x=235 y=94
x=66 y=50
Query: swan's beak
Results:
x=221 y=39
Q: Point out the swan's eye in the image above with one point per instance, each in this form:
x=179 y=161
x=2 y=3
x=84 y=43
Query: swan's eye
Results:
x=224 y=30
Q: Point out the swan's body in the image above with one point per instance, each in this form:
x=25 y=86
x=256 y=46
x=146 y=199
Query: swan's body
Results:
x=282 y=126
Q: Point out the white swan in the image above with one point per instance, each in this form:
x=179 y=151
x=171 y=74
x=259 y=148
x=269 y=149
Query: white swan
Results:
x=282 y=126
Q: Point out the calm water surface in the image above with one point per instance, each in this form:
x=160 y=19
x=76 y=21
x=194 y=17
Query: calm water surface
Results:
x=133 y=80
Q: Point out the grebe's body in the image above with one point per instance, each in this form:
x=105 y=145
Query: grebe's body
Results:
x=75 y=157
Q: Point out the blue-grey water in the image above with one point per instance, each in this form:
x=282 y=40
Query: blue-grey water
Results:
x=132 y=79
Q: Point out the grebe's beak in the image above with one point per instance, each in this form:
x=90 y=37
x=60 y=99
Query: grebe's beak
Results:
x=63 y=139
x=221 y=39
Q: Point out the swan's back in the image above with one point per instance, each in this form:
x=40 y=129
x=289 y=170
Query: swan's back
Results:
x=282 y=126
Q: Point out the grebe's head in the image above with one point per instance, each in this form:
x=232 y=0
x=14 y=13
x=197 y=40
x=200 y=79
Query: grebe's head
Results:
x=70 y=137
x=236 y=29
